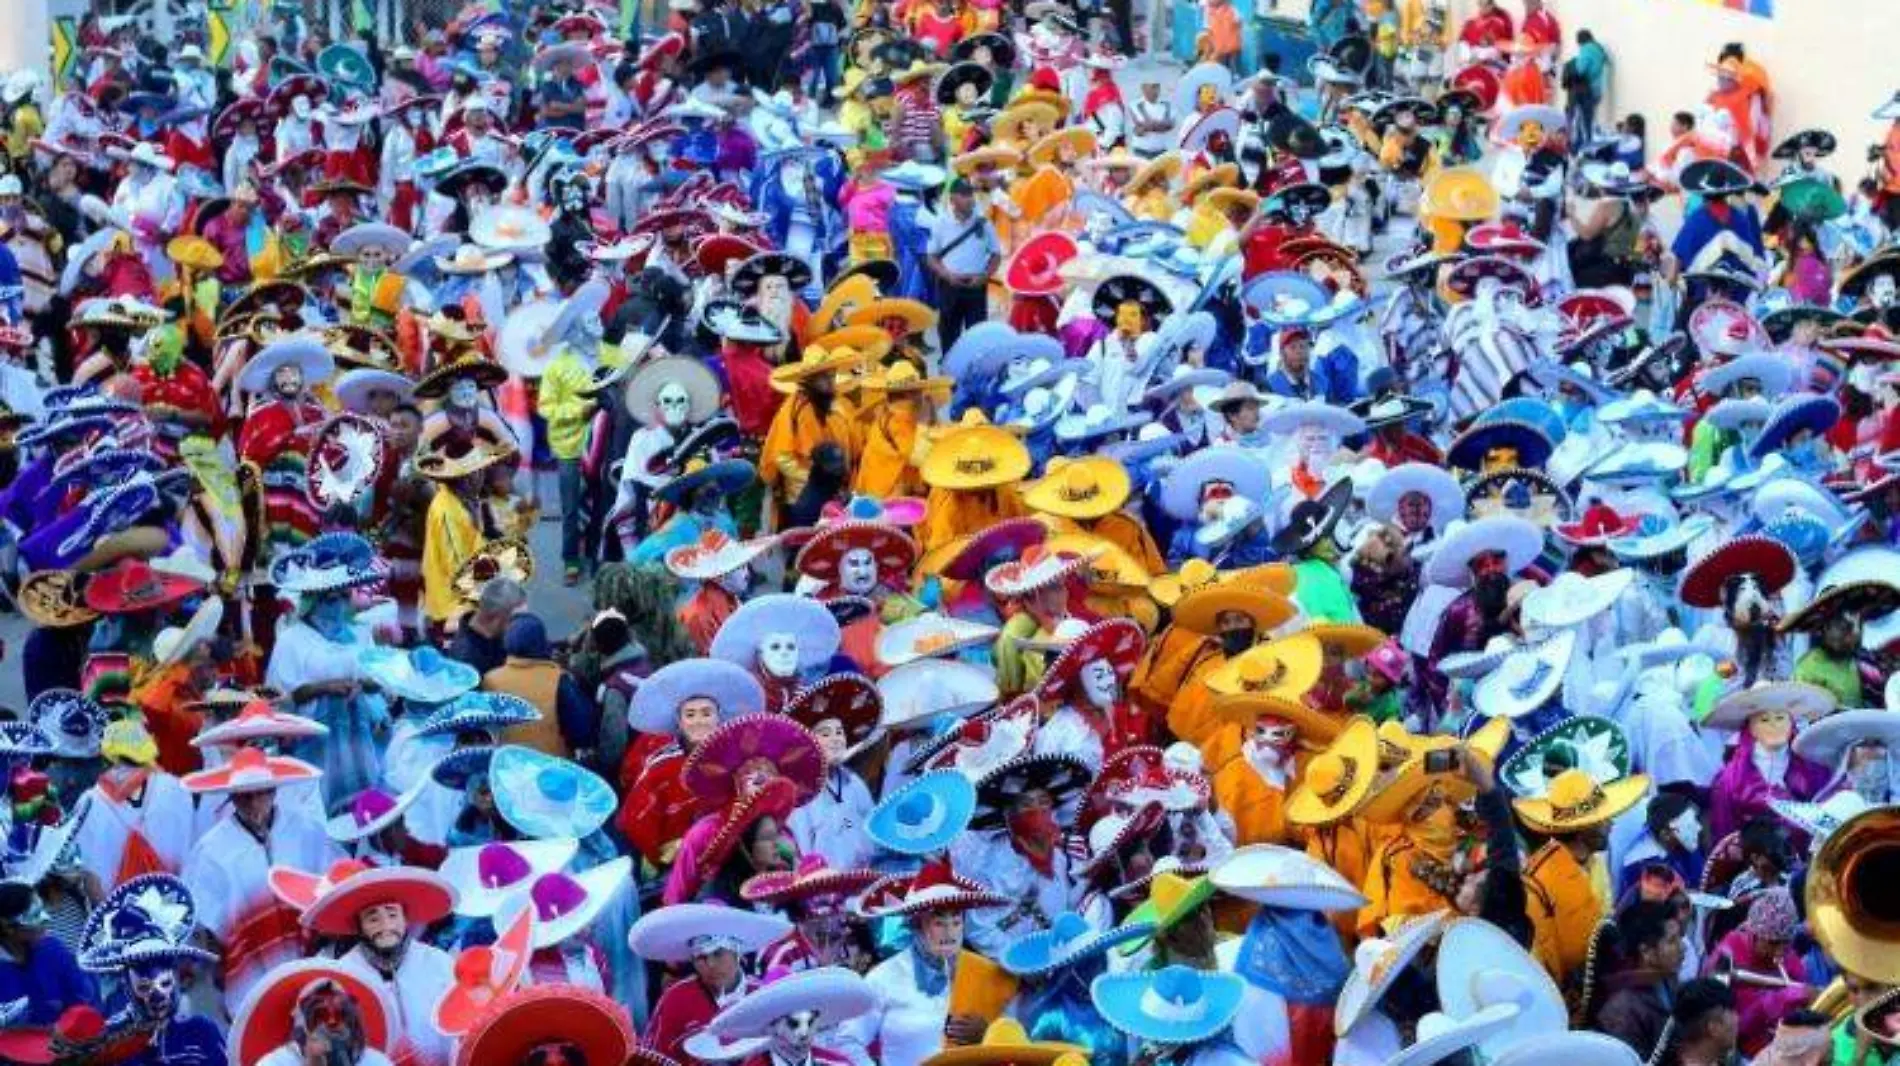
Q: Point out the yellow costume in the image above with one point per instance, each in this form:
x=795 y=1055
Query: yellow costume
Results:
x=450 y=537
x=1564 y=908
x=1042 y=192
x=796 y=432
x=952 y=513
x=1394 y=887
x=1258 y=808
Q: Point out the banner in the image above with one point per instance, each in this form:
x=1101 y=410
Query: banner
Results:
x=217 y=34
x=65 y=50
x=1758 y=8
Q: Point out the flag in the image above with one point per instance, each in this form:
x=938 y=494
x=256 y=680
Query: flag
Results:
x=361 y=15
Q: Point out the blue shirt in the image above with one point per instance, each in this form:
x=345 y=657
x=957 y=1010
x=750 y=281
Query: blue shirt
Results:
x=50 y=981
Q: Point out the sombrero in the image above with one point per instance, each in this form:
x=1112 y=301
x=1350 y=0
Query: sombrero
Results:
x=715 y=555
x=1521 y=542
x=852 y=700
x=52 y=599
x=477 y=713
x=761 y=741
x=544 y=797
x=731 y=689
x=1312 y=521
x=1117 y=641
x=1526 y=679
x=1576 y=801
x=1865 y=599
x=683 y=931
x=926 y=689
x=1797 y=699
x=1199 y=610
x=812 y=880
x=488 y=876
x=256 y=720
x=1772 y=564
x=594 y=1025
x=369 y=812
x=732 y=476
x=486 y=373
x=892 y=550
x=972 y=454
x=263 y=1023
x=925 y=814
x=1062 y=776
x=423 y=675
x=1236 y=468
x=1337 y=780
x=1597 y=746
x=149 y=918
x=1378 y=962
x=935 y=887
x=250 y=770
x=1826 y=740
x=739 y=638
x=485 y=974
x=330 y=902
x=1287 y=667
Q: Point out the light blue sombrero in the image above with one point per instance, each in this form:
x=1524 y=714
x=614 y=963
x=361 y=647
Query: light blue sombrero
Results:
x=547 y=798
x=1803 y=413
x=1069 y=941
x=733 y=689
x=424 y=675
x=1173 y=1006
x=925 y=815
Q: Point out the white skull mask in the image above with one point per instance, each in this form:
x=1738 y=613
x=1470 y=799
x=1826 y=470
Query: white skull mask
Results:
x=1315 y=443
x=1688 y=827
x=1883 y=291
x=1100 y=686
x=676 y=404
x=793 y=1035
x=857 y=572
x=778 y=654
x=463 y=393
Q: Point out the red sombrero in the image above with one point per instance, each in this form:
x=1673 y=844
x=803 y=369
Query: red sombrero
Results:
x=1116 y=832
x=646 y=133
x=691 y=219
x=665 y=48
x=1586 y=308
x=1503 y=238
x=1118 y=640
x=713 y=770
x=549 y=1014
x=936 y=887
x=1599 y=525
x=774 y=799
x=330 y=902
x=486 y=973
x=1480 y=81
x=1036 y=268
x=133 y=586
x=263 y=1022
x=1012 y=535
x=1037 y=569
x=894 y=551
x=1294 y=247
x=81 y=1034
x=812 y=880
x=1871 y=346
x=852 y=699
x=1768 y=559
x=250 y=770
x=715 y=250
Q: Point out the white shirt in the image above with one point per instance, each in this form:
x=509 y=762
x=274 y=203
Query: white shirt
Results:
x=1067 y=732
x=1038 y=899
x=163 y=817
x=409 y=999
x=289 y=1055
x=905 y=1024
x=832 y=824
x=227 y=874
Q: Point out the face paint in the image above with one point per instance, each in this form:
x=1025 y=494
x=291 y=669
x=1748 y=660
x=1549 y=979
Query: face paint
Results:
x=286 y=382
x=778 y=654
x=793 y=1036
x=1100 y=685
x=1771 y=729
x=857 y=572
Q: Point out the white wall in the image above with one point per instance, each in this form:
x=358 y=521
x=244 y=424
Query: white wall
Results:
x=26 y=39
x=1831 y=61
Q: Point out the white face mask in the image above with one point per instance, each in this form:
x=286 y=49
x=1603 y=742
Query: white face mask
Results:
x=463 y=393
x=857 y=572
x=778 y=654
x=737 y=582
x=300 y=106
x=1687 y=826
x=1100 y=686
x=676 y=405
x=1883 y=291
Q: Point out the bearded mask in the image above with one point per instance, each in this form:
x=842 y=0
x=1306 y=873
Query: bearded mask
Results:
x=1099 y=684
x=793 y=1035
x=857 y=572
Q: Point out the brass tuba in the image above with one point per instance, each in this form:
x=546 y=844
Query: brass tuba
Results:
x=1853 y=907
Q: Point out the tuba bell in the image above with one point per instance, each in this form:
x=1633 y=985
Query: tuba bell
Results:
x=1853 y=908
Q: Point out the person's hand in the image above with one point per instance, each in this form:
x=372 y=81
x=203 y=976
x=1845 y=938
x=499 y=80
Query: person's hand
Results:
x=963 y=1030
x=316 y=1050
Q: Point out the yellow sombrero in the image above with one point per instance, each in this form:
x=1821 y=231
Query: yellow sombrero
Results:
x=1348 y=640
x=1226 y=199
x=1161 y=168
x=1007 y=128
x=904 y=378
x=1211 y=178
x=1246 y=708
x=1110 y=565
x=973 y=454
x=1048 y=98
x=916 y=316
x=999 y=156
x=850 y=291
x=1201 y=609
x=1338 y=780
x=1006 y=1043
x=1576 y=801
x=812 y=362
x=1409 y=781
x=863 y=338
x=1459 y=194
x=194 y=253
x=1080 y=139
x=1286 y=668
x=1082 y=489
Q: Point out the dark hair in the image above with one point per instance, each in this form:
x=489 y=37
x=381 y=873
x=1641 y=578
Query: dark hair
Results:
x=406 y=407
x=1765 y=837
x=610 y=634
x=1643 y=924
x=1684 y=118
x=1586 y=37
x=1664 y=809
x=1636 y=124
x=1695 y=1001
x=1804 y=1018
x=960 y=187
x=1731 y=50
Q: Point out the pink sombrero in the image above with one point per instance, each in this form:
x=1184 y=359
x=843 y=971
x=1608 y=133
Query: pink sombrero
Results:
x=713 y=771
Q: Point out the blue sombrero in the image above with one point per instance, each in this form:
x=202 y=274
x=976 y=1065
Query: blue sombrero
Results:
x=1283 y=298
x=423 y=675
x=1639 y=407
x=106 y=465
x=1656 y=537
x=1172 y=1006
x=108 y=510
x=1092 y=205
x=145 y=920
x=1145 y=445
x=981 y=351
x=455 y=770
x=1224 y=275
x=732 y=689
x=1069 y=941
x=549 y=798
x=1638 y=463
x=733 y=476
x=73 y=725
x=1239 y=467
x=333 y=562
x=925 y=815
x=21 y=740
x=1468 y=451
x=1530 y=410
x=478 y=712
x=1806 y=412
x=1145 y=237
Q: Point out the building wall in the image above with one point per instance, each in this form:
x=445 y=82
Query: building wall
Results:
x=26 y=40
x=1831 y=61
